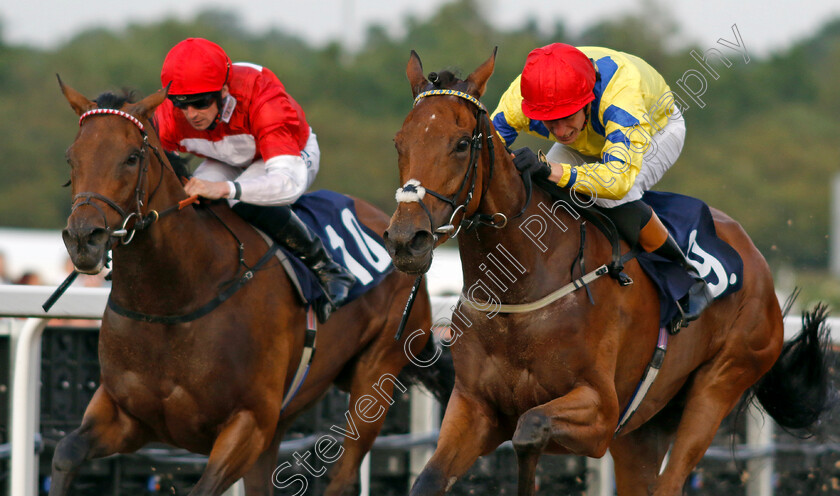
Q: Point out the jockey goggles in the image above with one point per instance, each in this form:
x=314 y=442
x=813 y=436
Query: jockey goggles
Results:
x=200 y=101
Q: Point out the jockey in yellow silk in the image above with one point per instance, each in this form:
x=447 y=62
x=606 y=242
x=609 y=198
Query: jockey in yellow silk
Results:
x=617 y=129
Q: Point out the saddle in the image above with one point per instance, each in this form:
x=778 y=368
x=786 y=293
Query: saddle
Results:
x=332 y=216
x=690 y=222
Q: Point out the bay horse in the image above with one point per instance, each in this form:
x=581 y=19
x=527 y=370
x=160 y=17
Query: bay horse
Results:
x=213 y=383
x=555 y=379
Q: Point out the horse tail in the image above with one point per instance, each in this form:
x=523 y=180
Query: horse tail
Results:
x=797 y=391
x=438 y=378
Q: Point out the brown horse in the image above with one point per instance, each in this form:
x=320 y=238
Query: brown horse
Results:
x=555 y=379
x=212 y=383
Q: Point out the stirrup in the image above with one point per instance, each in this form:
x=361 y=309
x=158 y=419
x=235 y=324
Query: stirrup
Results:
x=684 y=305
x=624 y=279
x=678 y=322
x=324 y=308
x=615 y=271
x=337 y=291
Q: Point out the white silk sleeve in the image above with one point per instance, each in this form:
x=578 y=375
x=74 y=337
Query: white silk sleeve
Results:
x=282 y=182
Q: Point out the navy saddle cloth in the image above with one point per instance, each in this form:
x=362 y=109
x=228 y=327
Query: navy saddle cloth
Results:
x=332 y=216
x=690 y=223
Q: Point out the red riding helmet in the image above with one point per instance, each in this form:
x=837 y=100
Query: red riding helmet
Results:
x=195 y=65
x=557 y=81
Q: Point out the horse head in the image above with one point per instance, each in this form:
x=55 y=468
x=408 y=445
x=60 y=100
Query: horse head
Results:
x=445 y=149
x=109 y=174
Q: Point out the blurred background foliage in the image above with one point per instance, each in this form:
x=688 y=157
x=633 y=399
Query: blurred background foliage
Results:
x=764 y=148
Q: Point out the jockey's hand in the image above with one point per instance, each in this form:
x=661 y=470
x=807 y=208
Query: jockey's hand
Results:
x=212 y=190
x=526 y=161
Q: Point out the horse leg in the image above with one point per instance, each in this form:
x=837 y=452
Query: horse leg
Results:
x=261 y=477
x=469 y=429
x=105 y=430
x=711 y=396
x=579 y=421
x=236 y=448
x=527 y=464
x=371 y=395
x=638 y=455
x=528 y=443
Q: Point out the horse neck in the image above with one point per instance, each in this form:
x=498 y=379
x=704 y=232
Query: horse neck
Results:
x=532 y=254
x=174 y=259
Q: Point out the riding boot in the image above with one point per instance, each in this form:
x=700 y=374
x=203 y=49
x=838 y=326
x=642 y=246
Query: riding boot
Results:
x=285 y=227
x=699 y=295
x=334 y=279
x=655 y=238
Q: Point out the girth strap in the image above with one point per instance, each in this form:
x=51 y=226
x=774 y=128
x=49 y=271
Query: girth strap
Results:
x=306 y=358
x=644 y=385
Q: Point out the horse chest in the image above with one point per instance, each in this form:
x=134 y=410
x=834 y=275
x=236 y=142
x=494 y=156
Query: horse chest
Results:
x=158 y=382
x=513 y=391
x=514 y=380
x=534 y=351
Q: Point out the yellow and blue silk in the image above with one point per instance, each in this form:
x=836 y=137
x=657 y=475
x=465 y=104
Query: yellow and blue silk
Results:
x=632 y=103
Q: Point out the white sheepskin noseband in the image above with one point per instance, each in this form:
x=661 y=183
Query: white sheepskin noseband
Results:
x=411 y=192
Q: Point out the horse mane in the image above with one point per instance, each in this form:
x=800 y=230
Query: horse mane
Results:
x=445 y=79
x=178 y=163
x=111 y=100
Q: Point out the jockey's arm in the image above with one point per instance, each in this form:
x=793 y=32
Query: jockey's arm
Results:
x=277 y=123
x=284 y=181
x=596 y=179
x=212 y=190
x=611 y=177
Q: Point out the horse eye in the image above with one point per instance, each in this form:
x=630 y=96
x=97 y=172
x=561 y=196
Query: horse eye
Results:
x=133 y=159
x=462 y=145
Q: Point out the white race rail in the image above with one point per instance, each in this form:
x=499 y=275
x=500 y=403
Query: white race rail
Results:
x=89 y=303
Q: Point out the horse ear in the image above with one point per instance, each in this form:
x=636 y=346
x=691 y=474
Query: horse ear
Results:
x=477 y=81
x=78 y=101
x=146 y=106
x=414 y=71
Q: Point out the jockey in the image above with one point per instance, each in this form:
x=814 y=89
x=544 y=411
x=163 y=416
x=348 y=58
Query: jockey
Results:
x=617 y=132
x=259 y=152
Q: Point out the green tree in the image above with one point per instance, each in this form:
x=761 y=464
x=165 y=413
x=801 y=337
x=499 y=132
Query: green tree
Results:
x=763 y=148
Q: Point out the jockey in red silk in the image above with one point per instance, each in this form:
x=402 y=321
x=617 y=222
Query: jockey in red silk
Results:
x=260 y=153
x=617 y=131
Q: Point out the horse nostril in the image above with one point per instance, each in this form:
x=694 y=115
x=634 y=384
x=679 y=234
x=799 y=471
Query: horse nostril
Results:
x=98 y=237
x=421 y=243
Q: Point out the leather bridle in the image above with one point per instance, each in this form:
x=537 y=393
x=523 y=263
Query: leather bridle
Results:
x=141 y=220
x=413 y=191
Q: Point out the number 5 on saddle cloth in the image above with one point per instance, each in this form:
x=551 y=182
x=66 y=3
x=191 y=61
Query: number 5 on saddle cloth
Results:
x=690 y=223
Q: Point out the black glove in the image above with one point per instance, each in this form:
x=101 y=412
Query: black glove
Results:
x=527 y=162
